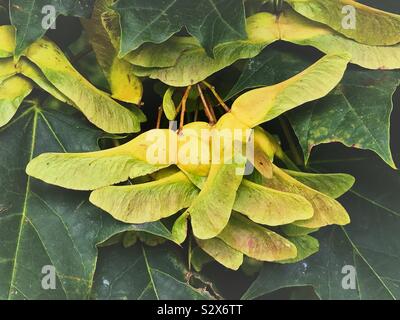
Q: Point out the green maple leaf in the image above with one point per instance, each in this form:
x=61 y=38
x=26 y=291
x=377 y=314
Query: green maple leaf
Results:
x=210 y=21
x=27 y=16
x=144 y=273
x=370 y=243
x=42 y=225
x=357 y=114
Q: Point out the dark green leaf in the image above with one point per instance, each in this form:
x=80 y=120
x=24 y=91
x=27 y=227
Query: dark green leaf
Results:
x=210 y=21
x=27 y=17
x=370 y=243
x=4 y=19
x=141 y=272
x=43 y=225
x=356 y=113
x=387 y=5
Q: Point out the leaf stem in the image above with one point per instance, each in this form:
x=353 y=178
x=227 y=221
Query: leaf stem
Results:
x=207 y=111
x=211 y=107
x=159 y=115
x=216 y=95
x=178 y=109
x=184 y=99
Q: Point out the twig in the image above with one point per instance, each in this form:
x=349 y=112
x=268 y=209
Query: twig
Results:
x=209 y=103
x=159 y=115
x=216 y=95
x=207 y=111
x=178 y=109
x=184 y=99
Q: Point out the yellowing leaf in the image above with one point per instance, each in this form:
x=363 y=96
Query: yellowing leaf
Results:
x=327 y=211
x=180 y=228
x=146 y=202
x=293 y=27
x=332 y=184
x=12 y=92
x=260 y=105
x=149 y=152
x=7 y=41
x=271 y=207
x=265 y=205
x=297 y=29
x=124 y=85
x=306 y=246
x=7 y=69
x=92 y=170
x=193 y=64
x=162 y=55
x=293 y=230
x=265 y=148
x=193 y=148
x=169 y=105
x=96 y=105
x=110 y=22
x=255 y=241
x=211 y=210
x=371 y=26
x=266 y=143
x=185 y=62
x=32 y=72
x=23 y=67
x=221 y=252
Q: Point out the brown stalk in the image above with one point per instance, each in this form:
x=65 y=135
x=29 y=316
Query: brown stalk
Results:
x=184 y=99
x=207 y=111
x=209 y=103
x=159 y=115
x=216 y=95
